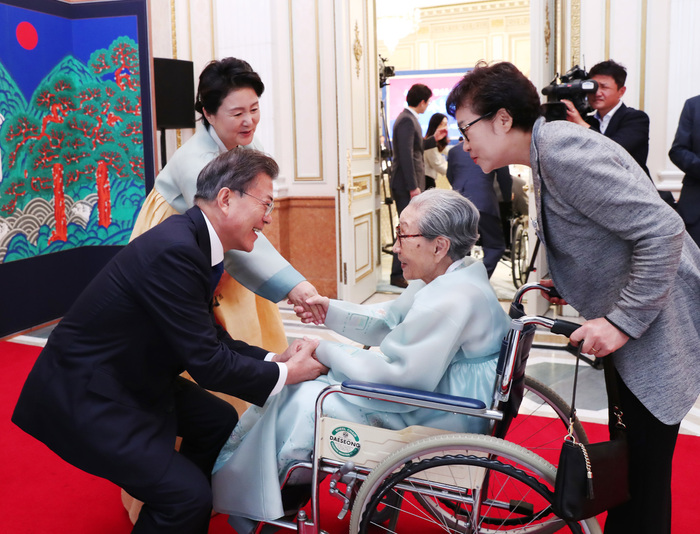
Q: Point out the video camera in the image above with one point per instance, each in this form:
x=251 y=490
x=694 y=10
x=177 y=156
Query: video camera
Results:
x=385 y=71
x=574 y=86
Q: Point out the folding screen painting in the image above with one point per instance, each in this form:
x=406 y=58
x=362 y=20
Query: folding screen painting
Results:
x=75 y=137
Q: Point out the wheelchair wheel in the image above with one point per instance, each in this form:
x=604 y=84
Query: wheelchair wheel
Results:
x=464 y=483
x=545 y=436
x=519 y=254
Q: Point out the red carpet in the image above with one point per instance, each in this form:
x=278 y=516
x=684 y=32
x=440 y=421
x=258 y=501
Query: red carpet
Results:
x=41 y=494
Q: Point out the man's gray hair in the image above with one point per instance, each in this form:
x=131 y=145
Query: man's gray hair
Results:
x=443 y=212
x=234 y=169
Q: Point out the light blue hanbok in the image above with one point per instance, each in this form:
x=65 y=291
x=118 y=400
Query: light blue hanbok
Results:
x=444 y=337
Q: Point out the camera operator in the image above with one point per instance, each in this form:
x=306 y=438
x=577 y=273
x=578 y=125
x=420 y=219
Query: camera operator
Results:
x=626 y=126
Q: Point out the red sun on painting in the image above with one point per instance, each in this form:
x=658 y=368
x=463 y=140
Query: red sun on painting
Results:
x=27 y=36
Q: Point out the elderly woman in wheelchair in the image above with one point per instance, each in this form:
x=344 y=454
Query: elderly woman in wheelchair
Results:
x=442 y=334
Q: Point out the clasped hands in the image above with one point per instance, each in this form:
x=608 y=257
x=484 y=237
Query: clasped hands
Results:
x=301 y=362
x=599 y=336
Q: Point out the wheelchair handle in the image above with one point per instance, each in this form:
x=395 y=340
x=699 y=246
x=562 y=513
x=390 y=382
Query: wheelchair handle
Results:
x=565 y=328
x=551 y=291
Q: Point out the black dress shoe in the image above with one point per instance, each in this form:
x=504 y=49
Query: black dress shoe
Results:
x=398 y=281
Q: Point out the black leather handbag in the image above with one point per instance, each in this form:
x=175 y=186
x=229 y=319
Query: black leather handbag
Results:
x=592 y=478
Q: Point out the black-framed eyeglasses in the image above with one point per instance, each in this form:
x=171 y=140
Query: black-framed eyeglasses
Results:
x=269 y=205
x=400 y=236
x=463 y=129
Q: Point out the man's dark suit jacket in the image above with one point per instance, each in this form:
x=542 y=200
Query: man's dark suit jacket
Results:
x=408 y=167
x=629 y=128
x=685 y=154
x=467 y=177
x=102 y=392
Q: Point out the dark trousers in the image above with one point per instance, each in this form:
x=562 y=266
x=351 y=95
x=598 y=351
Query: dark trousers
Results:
x=694 y=231
x=181 y=501
x=651 y=445
x=401 y=199
x=491 y=238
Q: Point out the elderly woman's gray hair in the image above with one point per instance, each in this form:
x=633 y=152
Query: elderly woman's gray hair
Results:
x=234 y=169
x=443 y=212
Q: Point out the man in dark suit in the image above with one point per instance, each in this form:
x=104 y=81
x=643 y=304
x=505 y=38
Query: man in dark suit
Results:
x=467 y=177
x=626 y=126
x=685 y=154
x=105 y=393
x=407 y=167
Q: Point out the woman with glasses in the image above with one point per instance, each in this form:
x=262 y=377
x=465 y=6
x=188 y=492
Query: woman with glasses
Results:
x=443 y=333
x=618 y=254
x=228 y=100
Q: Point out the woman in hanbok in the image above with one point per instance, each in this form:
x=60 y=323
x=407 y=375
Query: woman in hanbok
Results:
x=443 y=334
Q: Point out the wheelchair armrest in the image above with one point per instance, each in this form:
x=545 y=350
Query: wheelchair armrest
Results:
x=415 y=397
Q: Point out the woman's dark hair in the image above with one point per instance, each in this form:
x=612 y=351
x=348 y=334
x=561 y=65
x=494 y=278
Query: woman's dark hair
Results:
x=433 y=124
x=488 y=88
x=219 y=78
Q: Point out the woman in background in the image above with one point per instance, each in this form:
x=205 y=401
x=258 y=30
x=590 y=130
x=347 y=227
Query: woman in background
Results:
x=433 y=158
x=443 y=334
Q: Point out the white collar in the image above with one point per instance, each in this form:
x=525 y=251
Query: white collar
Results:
x=415 y=113
x=212 y=132
x=608 y=117
x=217 y=249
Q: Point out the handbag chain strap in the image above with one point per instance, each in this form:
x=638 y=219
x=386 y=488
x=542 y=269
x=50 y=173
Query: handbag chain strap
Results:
x=613 y=393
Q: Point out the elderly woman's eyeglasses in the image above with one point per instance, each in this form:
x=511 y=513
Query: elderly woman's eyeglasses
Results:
x=400 y=236
x=463 y=129
x=269 y=205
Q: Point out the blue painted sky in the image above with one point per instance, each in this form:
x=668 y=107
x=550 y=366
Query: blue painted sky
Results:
x=58 y=37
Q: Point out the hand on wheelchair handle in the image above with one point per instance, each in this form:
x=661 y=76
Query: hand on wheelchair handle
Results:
x=552 y=295
x=599 y=337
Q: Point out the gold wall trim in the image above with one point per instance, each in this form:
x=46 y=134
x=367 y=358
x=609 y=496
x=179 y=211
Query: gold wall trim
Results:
x=173 y=29
x=357 y=49
x=298 y=178
x=575 y=32
x=607 y=30
x=368 y=268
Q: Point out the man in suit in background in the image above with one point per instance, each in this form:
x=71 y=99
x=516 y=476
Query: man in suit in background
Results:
x=685 y=154
x=626 y=126
x=467 y=178
x=408 y=168
x=106 y=394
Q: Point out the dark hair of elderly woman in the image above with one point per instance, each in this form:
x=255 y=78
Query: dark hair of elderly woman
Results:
x=219 y=78
x=488 y=88
x=433 y=125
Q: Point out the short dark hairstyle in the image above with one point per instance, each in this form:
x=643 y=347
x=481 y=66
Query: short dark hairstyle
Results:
x=488 y=88
x=610 y=68
x=234 y=169
x=417 y=93
x=219 y=78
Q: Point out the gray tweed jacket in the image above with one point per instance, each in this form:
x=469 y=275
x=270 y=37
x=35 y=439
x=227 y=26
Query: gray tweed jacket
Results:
x=616 y=250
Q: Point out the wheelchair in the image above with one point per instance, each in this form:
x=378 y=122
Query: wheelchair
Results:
x=438 y=481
